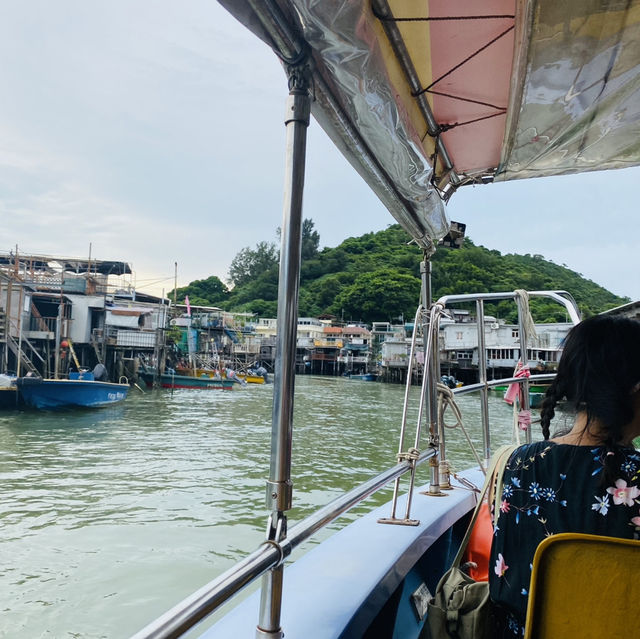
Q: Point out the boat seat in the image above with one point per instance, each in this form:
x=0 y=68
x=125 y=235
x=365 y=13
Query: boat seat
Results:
x=584 y=586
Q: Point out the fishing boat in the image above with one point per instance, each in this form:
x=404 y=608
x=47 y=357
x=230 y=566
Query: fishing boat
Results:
x=423 y=99
x=536 y=393
x=225 y=374
x=81 y=390
x=171 y=379
x=255 y=375
x=363 y=377
x=252 y=379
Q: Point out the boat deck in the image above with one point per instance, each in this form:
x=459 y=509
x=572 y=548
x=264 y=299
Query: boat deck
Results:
x=339 y=587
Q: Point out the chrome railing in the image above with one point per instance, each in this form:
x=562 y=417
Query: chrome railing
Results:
x=203 y=602
x=561 y=297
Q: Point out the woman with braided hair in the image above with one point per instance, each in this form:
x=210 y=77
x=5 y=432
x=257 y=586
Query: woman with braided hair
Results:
x=584 y=480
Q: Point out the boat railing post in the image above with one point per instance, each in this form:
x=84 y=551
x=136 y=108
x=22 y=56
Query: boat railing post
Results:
x=279 y=485
x=522 y=332
x=402 y=454
x=444 y=475
x=428 y=403
x=482 y=379
x=436 y=439
x=56 y=372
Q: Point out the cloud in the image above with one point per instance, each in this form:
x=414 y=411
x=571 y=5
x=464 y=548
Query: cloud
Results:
x=154 y=131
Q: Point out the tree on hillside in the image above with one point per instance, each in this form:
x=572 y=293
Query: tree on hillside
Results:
x=249 y=263
x=378 y=296
x=318 y=297
x=310 y=240
x=209 y=292
x=349 y=278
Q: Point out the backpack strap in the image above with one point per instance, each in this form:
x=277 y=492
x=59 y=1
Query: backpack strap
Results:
x=494 y=472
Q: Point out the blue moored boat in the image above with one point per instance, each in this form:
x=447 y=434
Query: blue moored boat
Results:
x=364 y=377
x=80 y=390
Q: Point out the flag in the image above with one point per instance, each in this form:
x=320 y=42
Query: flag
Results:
x=186 y=301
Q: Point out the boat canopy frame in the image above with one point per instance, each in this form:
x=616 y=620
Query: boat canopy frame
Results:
x=424 y=98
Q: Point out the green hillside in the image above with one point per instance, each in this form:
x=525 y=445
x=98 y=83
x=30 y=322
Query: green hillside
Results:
x=376 y=277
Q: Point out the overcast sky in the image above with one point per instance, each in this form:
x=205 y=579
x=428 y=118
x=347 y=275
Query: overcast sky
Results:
x=152 y=132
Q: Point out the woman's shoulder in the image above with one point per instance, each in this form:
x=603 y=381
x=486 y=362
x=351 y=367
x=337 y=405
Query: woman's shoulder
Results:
x=547 y=447
x=534 y=457
x=532 y=450
x=548 y=456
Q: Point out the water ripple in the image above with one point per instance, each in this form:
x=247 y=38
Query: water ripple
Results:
x=109 y=517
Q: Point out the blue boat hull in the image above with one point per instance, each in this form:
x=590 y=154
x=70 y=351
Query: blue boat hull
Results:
x=63 y=393
x=365 y=377
x=10 y=398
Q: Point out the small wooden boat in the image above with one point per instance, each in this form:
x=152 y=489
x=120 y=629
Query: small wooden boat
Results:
x=364 y=377
x=80 y=390
x=174 y=380
x=533 y=388
x=251 y=379
x=226 y=374
x=255 y=375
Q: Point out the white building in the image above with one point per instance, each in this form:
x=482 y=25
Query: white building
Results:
x=459 y=344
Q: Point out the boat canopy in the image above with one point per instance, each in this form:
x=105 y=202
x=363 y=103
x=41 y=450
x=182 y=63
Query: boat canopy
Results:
x=425 y=97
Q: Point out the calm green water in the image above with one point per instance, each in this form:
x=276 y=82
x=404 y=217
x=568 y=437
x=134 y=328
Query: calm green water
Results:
x=110 y=517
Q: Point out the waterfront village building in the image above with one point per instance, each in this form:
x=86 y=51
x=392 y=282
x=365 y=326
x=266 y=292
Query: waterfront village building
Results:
x=326 y=349
x=355 y=354
x=47 y=302
x=212 y=338
x=459 y=347
x=322 y=356
x=58 y=313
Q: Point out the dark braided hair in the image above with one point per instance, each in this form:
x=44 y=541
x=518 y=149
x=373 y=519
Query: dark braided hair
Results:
x=597 y=374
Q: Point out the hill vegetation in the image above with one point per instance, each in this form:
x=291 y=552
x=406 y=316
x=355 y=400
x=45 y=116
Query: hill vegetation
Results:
x=376 y=277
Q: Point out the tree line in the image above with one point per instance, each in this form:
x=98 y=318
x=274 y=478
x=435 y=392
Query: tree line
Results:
x=376 y=277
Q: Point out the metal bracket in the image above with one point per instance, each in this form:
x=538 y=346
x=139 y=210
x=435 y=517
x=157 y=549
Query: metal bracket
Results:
x=410 y=456
x=265 y=634
x=445 y=476
x=399 y=522
x=297 y=110
x=299 y=80
x=276 y=528
x=279 y=495
x=434 y=486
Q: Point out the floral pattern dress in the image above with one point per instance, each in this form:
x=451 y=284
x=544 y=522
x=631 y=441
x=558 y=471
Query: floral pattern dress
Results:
x=553 y=488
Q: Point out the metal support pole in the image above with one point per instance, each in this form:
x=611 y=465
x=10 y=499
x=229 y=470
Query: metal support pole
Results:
x=443 y=464
x=482 y=379
x=526 y=402
x=20 y=328
x=402 y=454
x=57 y=353
x=279 y=485
x=430 y=372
